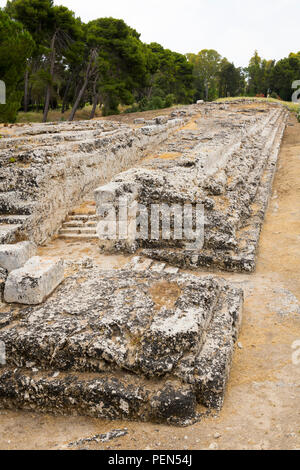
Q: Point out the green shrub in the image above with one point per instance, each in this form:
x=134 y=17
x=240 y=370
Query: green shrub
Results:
x=133 y=109
x=169 y=100
x=156 y=103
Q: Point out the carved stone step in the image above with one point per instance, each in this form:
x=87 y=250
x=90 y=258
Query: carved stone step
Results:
x=79 y=223
x=78 y=230
x=13 y=219
x=81 y=236
x=82 y=217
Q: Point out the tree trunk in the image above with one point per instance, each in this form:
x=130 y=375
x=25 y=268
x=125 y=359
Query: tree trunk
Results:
x=26 y=91
x=84 y=86
x=95 y=97
x=95 y=102
x=206 y=90
x=66 y=94
x=48 y=91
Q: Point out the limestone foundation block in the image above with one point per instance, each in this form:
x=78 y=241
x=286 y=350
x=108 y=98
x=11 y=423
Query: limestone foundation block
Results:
x=183 y=330
x=15 y=256
x=161 y=120
x=107 y=194
x=34 y=282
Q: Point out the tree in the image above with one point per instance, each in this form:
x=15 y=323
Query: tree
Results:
x=284 y=73
x=35 y=17
x=206 y=64
x=114 y=62
x=259 y=73
x=16 y=46
x=169 y=78
x=53 y=28
x=231 y=80
x=63 y=28
x=90 y=70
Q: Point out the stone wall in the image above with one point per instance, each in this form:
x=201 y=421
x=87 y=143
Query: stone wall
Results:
x=224 y=161
x=47 y=169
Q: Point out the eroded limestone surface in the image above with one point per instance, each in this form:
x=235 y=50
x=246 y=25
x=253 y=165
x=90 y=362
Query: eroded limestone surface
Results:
x=123 y=344
x=47 y=169
x=144 y=342
x=225 y=160
x=34 y=282
x=16 y=255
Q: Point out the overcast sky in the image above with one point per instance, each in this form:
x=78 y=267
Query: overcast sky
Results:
x=235 y=28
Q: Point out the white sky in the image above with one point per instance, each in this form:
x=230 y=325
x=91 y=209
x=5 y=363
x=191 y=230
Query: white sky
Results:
x=235 y=28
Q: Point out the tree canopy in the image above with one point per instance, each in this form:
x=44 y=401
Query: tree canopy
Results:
x=50 y=59
x=16 y=45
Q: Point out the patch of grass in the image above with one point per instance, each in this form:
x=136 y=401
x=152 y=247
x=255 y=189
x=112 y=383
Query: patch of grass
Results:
x=12 y=160
x=56 y=115
x=295 y=108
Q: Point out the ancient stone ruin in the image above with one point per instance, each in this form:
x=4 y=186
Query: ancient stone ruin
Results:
x=148 y=341
x=45 y=170
x=224 y=161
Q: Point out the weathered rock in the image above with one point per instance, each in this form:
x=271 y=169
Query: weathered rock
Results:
x=3 y=277
x=55 y=165
x=15 y=256
x=226 y=164
x=161 y=120
x=34 y=282
x=98 y=395
x=164 y=340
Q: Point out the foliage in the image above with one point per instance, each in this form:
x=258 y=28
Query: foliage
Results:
x=271 y=78
x=55 y=63
x=16 y=45
x=215 y=76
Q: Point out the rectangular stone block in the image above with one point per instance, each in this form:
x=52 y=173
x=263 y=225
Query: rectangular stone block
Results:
x=127 y=344
x=34 y=282
x=107 y=194
x=15 y=256
x=161 y=120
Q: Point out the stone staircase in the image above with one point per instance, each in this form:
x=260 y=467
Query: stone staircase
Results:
x=80 y=224
x=10 y=225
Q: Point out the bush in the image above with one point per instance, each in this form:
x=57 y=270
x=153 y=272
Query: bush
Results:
x=156 y=103
x=170 y=100
x=133 y=109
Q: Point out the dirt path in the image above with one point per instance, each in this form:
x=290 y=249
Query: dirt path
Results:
x=262 y=408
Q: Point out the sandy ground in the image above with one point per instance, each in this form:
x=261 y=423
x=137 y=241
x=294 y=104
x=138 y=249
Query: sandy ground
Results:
x=262 y=407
